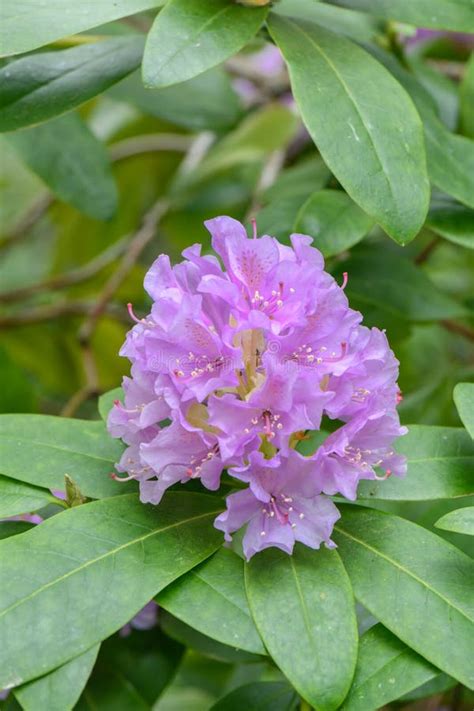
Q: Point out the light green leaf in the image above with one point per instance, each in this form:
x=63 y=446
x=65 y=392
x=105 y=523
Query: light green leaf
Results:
x=72 y=162
x=458 y=521
x=205 y=102
x=453 y=222
x=373 y=146
x=438 y=14
x=259 y=696
x=300 y=180
x=61 y=688
x=107 y=559
x=440 y=465
x=334 y=220
x=466 y=93
x=303 y=608
x=39 y=24
x=37 y=87
x=464 y=400
x=356 y=25
x=418 y=585
x=211 y=598
x=386 y=669
x=41 y=449
x=16 y=497
x=190 y=36
x=107 y=400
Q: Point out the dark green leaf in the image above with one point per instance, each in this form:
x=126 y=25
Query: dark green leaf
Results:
x=466 y=92
x=374 y=148
x=464 y=400
x=16 y=497
x=40 y=449
x=303 y=607
x=107 y=400
x=39 y=24
x=107 y=559
x=386 y=669
x=211 y=598
x=40 y=86
x=190 y=36
x=72 y=162
x=453 y=222
x=205 y=102
x=418 y=585
x=440 y=465
x=458 y=521
x=13 y=528
x=334 y=220
x=61 y=688
x=259 y=696
x=439 y=14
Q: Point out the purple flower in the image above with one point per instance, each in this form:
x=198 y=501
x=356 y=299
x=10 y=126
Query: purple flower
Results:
x=235 y=362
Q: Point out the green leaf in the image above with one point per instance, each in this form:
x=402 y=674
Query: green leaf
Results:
x=107 y=400
x=205 y=102
x=374 y=147
x=17 y=497
x=386 y=669
x=61 y=688
x=107 y=559
x=466 y=94
x=300 y=180
x=41 y=449
x=356 y=25
x=440 y=465
x=39 y=24
x=438 y=14
x=211 y=599
x=37 y=87
x=13 y=528
x=453 y=222
x=418 y=585
x=464 y=400
x=334 y=220
x=259 y=696
x=458 y=521
x=72 y=162
x=189 y=36
x=303 y=607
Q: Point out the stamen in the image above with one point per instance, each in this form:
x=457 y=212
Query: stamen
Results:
x=345 y=279
x=254 y=227
x=122 y=479
x=132 y=314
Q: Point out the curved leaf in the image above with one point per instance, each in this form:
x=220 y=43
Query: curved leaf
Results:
x=458 y=521
x=334 y=220
x=440 y=465
x=106 y=559
x=211 y=599
x=303 y=608
x=259 y=696
x=362 y=121
x=41 y=449
x=72 y=162
x=464 y=400
x=454 y=222
x=190 y=36
x=37 y=87
x=418 y=585
x=16 y=497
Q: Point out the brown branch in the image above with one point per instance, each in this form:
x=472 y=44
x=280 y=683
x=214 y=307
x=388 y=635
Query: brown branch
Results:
x=459 y=328
x=38 y=314
x=27 y=221
x=426 y=251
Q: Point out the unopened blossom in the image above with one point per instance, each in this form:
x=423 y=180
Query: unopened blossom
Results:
x=241 y=355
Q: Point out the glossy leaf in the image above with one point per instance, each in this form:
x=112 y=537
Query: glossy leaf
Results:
x=205 y=102
x=189 y=36
x=440 y=465
x=356 y=25
x=464 y=400
x=16 y=497
x=61 y=688
x=107 y=559
x=72 y=162
x=453 y=222
x=374 y=148
x=41 y=449
x=418 y=585
x=37 y=87
x=303 y=608
x=334 y=220
x=259 y=696
x=39 y=24
x=458 y=521
x=438 y=14
x=211 y=598
x=386 y=669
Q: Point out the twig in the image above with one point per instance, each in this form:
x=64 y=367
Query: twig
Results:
x=27 y=221
x=426 y=252
x=38 y=314
x=459 y=328
x=150 y=143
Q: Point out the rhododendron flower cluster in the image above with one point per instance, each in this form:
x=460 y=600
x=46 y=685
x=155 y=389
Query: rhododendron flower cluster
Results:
x=236 y=363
